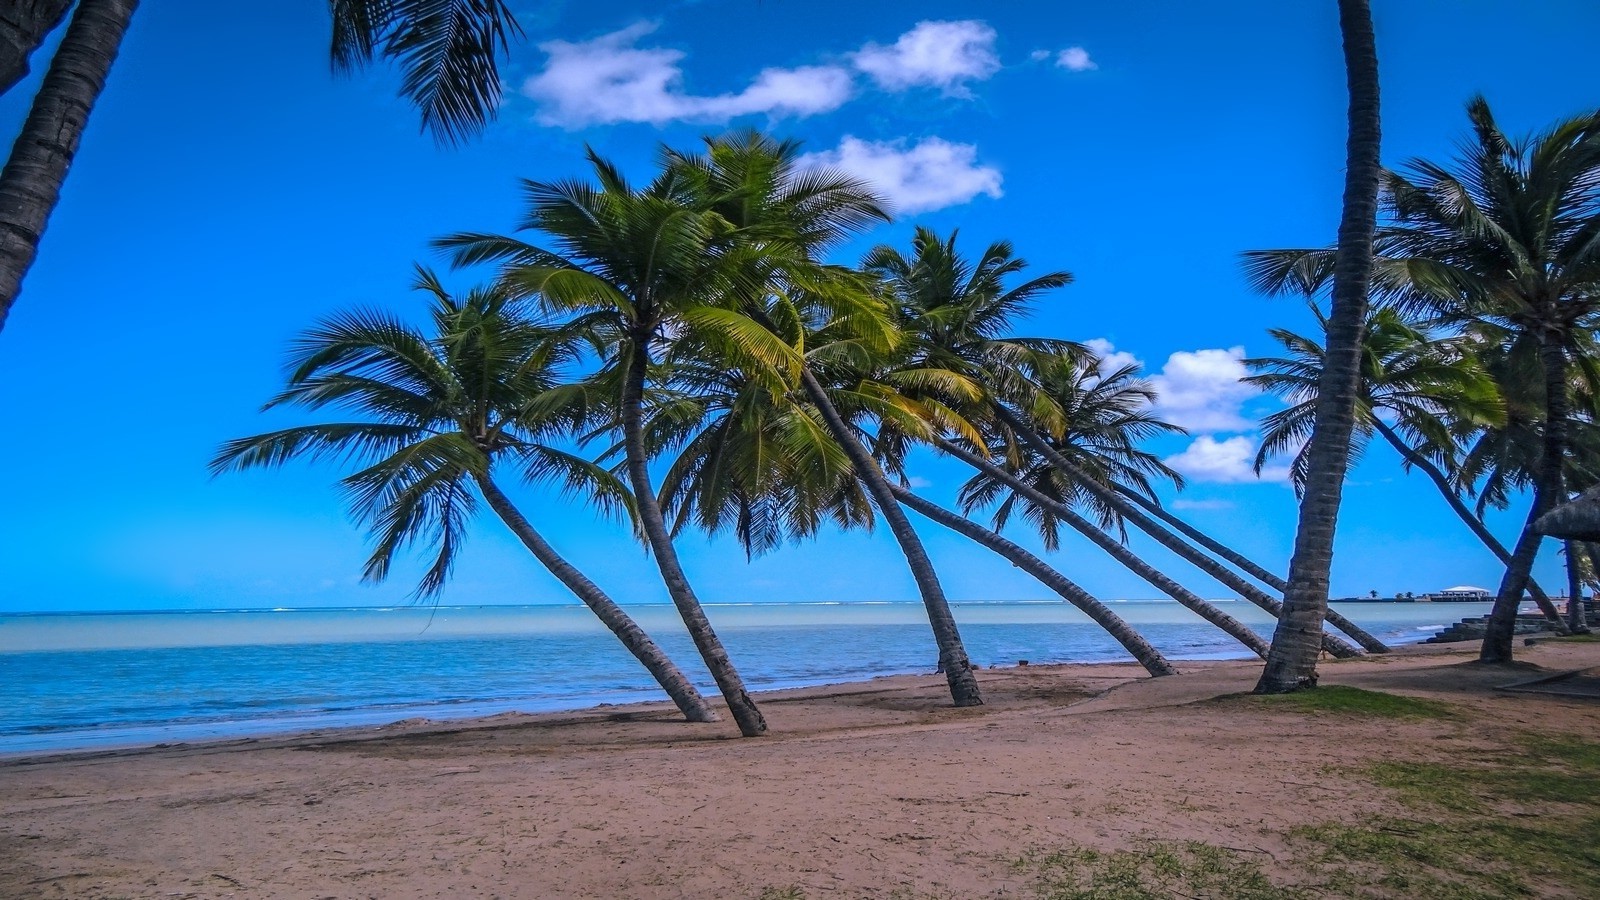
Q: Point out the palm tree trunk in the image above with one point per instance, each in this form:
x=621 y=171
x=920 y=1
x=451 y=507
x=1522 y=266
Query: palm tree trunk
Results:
x=1334 y=644
x=1576 y=620
x=1131 y=640
x=650 y=655
x=1238 y=560
x=1442 y=482
x=745 y=712
x=952 y=655
x=30 y=183
x=1292 y=663
x=1547 y=492
x=23 y=27
x=1130 y=560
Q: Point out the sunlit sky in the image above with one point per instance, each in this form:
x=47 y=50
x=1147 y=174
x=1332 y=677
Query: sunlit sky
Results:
x=230 y=191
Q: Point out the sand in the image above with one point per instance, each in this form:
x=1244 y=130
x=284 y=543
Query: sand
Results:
x=874 y=789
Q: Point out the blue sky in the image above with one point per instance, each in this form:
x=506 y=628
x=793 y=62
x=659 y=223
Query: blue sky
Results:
x=230 y=191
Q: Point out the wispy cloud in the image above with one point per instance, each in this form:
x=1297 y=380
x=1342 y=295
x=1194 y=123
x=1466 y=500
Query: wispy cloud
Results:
x=610 y=79
x=930 y=174
x=1185 y=503
x=945 y=55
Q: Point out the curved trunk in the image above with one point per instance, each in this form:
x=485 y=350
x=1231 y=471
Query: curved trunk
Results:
x=1577 y=622
x=1131 y=640
x=1442 y=482
x=1292 y=664
x=23 y=28
x=1190 y=601
x=1547 y=492
x=1239 y=561
x=1334 y=644
x=745 y=712
x=30 y=183
x=952 y=655
x=672 y=680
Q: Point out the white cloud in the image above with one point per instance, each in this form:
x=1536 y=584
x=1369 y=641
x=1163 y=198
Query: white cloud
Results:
x=1184 y=503
x=1040 y=55
x=938 y=54
x=1223 y=462
x=610 y=79
x=1111 y=359
x=917 y=482
x=1076 y=59
x=931 y=174
x=1201 y=391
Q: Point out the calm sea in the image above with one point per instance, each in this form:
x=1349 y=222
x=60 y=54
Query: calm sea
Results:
x=71 y=681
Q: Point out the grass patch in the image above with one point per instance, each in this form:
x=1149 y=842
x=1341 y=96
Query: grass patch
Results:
x=1355 y=701
x=1590 y=638
x=1155 y=871
x=1518 y=823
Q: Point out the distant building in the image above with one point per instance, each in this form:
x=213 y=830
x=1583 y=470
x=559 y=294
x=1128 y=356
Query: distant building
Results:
x=1461 y=593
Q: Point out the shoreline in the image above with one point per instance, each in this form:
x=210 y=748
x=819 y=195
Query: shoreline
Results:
x=1121 y=671
x=873 y=788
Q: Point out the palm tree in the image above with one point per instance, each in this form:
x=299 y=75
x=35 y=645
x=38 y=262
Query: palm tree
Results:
x=791 y=217
x=30 y=182
x=1102 y=615
x=22 y=30
x=644 y=268
x=960 y=316
x=447 y=51
x=1432 y=388
x=435 y=415
x=1504 y=240
x=1292 y=664
x=1109 y=414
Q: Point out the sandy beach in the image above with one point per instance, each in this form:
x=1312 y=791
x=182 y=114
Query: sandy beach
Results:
x=874 y=789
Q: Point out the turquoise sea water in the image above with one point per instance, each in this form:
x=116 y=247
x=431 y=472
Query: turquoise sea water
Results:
x=70 y=681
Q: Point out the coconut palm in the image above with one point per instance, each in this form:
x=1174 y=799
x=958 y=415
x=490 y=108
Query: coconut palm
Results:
x=434 y=415
x=640 y=266
x=1292 y=664
x=1418 y=392
x=447 y=51
x=828 y=316
x=961 y=317
x=22 y=30
x=1502 y=239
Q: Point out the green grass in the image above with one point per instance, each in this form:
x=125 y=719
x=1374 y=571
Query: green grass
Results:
x=1343 y=700
x=1516 y=823
x=1154 y=871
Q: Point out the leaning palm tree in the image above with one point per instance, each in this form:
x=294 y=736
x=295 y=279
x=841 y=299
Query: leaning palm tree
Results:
x=434 y=417
x=960 y=317
x=825 y=315
x=447 y=51
x=641 y=267
x=1504 y=239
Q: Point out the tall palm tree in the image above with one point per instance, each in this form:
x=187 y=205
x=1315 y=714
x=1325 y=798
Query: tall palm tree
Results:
x=448 y=53
x=640 y=266
x=792 y=216
x=434 y=416
x=1504 y=239
x=1292 y=664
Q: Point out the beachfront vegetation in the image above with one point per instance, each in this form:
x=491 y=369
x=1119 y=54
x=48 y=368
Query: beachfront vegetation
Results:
x=431 y=415
x=1497 y=251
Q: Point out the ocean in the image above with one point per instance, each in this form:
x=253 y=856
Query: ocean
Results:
x=97 y=680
